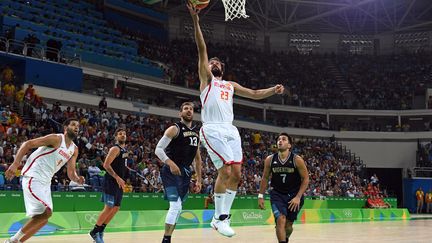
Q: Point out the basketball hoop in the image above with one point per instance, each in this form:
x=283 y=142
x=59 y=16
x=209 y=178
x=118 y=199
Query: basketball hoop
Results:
x=234 y=9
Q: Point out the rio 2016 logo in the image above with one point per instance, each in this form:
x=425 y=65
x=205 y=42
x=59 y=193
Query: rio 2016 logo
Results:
x=252 y=215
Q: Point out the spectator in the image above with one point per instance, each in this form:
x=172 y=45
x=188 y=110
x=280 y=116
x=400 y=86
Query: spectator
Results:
x=208 y=200
x=75 y=187
x=118 y=91
x=96 y=180
x=7 y=74
x=103 y=105
x=9 y=93
x=428 y=200
x=420 y=198
x=374 y=180
x=19 y=98
x=128 y=187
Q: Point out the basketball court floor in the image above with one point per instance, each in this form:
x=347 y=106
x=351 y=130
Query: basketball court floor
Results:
x=411 y=231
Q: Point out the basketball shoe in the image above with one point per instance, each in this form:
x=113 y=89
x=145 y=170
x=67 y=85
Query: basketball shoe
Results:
x=222 y=226
x=96 y=237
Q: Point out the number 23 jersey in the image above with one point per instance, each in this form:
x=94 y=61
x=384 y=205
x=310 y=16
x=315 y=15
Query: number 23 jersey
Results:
x=217 y=102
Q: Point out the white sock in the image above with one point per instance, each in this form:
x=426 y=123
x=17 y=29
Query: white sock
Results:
x=17 y=236
x=219 y=199
x=229 y=199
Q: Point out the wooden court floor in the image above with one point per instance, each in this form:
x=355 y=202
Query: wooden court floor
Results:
x=411 y=231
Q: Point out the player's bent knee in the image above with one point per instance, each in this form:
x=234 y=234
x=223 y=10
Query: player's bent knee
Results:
x=173 y=212
x=289 y=226
x=281 y=220
x=44 y=216
x=236 y=176
x=224 y=172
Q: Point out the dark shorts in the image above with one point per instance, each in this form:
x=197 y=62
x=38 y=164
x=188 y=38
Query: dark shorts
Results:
x=112 y=194
x=175 y=186
x=279 y=204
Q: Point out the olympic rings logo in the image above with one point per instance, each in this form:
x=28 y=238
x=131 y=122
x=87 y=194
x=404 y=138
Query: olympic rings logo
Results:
x=91 y=217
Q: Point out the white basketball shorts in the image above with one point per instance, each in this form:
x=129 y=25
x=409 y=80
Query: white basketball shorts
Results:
x=223 y=143
x=37 y=196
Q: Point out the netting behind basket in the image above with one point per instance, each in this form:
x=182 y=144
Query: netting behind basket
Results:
x=234 y=9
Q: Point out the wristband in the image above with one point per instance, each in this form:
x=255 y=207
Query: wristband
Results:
x=260 y=196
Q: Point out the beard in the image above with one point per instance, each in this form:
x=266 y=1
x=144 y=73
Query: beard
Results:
x=187 y=119
x=121 y=142
x=216 y=72
x=71 y=134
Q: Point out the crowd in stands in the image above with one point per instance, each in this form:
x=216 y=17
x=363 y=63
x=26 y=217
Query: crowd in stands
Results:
x=332 y=171
x=378 y=82
x=386 y=82
x=375 y=198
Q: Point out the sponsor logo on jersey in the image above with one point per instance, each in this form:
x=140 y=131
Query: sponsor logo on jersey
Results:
x=64 y=154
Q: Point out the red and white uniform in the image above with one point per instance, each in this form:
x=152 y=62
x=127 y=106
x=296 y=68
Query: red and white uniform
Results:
x=37 y=173
x=218 y=135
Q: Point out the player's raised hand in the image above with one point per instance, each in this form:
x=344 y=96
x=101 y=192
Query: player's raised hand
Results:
x=10 y=173
x=193 y=11
x=261 y=203
x=294 y=204
x=121 y=183
x=279 y=89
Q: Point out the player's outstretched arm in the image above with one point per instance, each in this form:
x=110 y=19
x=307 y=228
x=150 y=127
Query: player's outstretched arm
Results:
x=71 y=169
x=257 y=94
x=163 y=143
x=264 y=181
x=51 y=140
x=112 y=154
x=204 y=72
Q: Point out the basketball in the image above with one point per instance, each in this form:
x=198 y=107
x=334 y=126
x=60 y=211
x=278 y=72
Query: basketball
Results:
x=199 y=4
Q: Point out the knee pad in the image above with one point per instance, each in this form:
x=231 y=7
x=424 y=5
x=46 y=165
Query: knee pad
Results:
x=174 y=212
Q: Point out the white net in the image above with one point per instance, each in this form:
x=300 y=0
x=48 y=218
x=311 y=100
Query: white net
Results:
x=234 y=9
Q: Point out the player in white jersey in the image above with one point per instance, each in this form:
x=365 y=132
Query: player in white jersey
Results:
x=218 y=135
x=54 y=151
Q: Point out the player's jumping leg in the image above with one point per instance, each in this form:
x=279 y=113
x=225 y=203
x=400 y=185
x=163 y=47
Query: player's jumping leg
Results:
x=231 y=187
x=220 y=220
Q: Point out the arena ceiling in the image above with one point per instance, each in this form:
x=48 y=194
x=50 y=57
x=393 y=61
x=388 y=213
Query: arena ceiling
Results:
x=341 y=16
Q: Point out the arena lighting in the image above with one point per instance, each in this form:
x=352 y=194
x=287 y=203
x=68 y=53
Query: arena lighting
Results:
x=415 y=118
x=412 y=40
x=304 y=42
x=241 y=34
